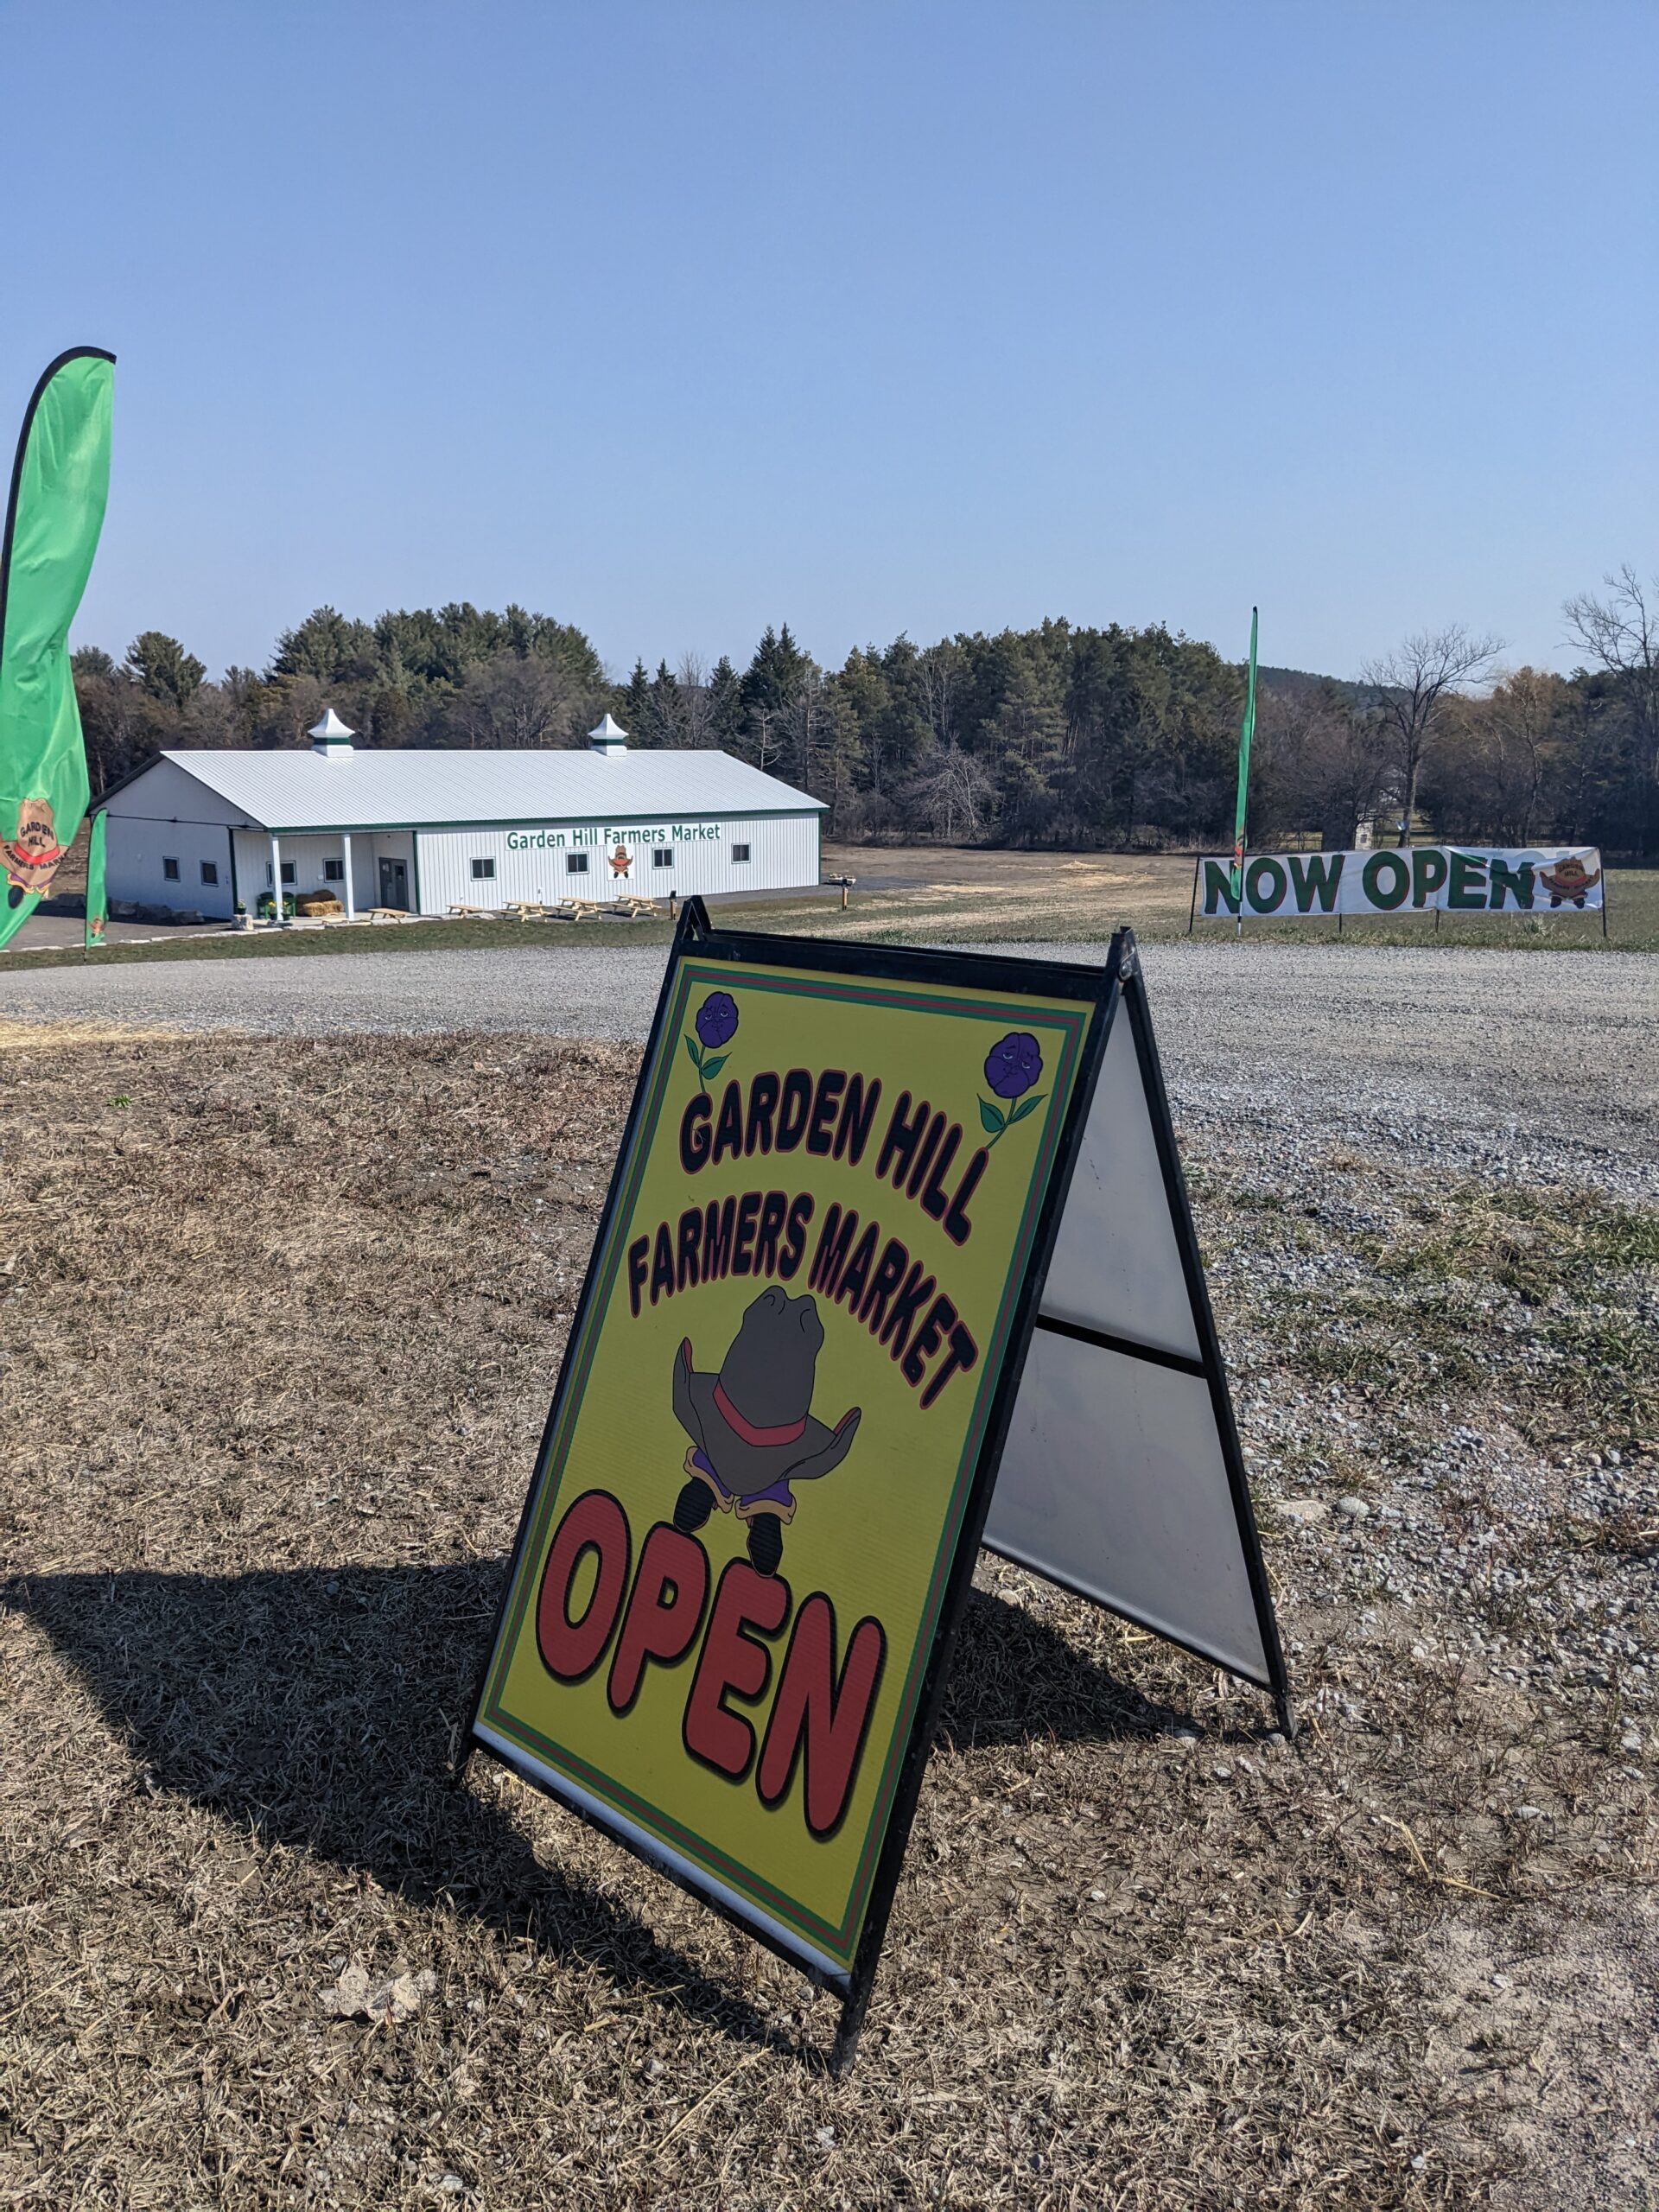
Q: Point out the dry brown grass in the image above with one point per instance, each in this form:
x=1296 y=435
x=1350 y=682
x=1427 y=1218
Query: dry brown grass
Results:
x=280 y=1327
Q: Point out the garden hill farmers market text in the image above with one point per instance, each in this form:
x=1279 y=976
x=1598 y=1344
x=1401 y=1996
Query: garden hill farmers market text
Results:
x=822 y=1711
x=765 y=1232
x=592 y=833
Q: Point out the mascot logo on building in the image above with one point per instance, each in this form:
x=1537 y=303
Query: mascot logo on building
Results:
x=32 y=857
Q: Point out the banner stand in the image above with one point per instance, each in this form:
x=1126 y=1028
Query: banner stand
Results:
x=611 y=1611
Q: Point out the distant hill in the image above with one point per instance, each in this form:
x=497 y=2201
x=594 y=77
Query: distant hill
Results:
x=1302 y=683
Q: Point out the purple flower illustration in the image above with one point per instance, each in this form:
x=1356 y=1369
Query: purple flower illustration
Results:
x=717 y=1018
x=1012 y=1066
x=717 y=1026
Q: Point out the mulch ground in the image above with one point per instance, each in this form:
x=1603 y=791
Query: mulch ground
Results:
x=280 y=1326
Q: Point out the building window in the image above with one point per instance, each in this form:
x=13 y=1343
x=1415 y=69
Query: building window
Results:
x=662 y=856
x=739 y=855
x=334 y=871
x=483 y=870
x=575 y=863
x=210 y=871
x=288 y=872
x=169 y=871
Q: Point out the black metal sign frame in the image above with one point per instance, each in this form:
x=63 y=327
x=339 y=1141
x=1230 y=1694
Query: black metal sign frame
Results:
x=1100 y=989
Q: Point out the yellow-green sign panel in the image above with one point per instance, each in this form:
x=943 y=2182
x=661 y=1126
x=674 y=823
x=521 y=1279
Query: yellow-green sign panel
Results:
x=732 y=1569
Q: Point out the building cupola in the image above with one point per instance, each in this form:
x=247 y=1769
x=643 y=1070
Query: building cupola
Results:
x=330 y=739
x=609 y=737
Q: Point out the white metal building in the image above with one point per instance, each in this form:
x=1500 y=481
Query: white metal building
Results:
x=424 y=831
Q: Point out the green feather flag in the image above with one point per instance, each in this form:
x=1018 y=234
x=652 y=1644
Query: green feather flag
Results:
x=1247 y=731
x=60 y=486
x=97 y=905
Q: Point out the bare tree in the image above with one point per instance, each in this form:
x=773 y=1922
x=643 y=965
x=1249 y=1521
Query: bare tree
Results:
x=1523 y=718
x=1620 y=634
x=951 y=796
x=1320 y=765
x=516 y=699
x=766 y=736
x=940 y=671
x=1410 y=684
x=697 y=702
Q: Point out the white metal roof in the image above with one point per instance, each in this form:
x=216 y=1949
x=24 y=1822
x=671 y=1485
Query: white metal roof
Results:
x=299 y=791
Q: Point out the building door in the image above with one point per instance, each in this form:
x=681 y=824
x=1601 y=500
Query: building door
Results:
x=394 y=884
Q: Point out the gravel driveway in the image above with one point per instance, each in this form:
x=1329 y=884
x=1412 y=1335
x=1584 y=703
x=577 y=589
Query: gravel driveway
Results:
x=1539 y=1067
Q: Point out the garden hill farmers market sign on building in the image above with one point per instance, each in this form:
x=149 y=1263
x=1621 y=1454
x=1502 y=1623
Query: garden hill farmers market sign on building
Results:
x=1421 y=879
x=580 y=834
x=799 y=1353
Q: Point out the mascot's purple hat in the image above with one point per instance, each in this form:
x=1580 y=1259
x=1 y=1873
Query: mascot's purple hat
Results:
x=753 y=1420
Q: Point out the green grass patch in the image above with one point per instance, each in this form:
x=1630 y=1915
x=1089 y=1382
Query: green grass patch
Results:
x=1541 y=1298
x=1530 y=1241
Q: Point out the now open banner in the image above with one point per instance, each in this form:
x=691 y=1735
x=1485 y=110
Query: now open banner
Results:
x=1452 y=878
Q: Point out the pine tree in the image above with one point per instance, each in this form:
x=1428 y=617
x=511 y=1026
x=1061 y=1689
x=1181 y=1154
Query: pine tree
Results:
x=632 y=707
x=163 y=668
x=1023 y=746
x=725 y=705
x=666 y=712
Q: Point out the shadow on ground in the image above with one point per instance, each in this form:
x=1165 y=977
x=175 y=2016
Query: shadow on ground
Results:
x=325 y=1708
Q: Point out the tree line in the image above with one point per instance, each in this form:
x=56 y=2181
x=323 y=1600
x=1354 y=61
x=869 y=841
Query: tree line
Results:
x=1062 y=735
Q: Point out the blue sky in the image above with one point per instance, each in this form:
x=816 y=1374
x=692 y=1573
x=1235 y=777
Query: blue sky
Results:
x=674 y=321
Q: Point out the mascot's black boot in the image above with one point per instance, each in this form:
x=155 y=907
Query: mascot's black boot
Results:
x=693 y=1506
x=767 y=1542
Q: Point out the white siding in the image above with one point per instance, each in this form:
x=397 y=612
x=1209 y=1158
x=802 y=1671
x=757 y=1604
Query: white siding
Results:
x=306 y=855
x=138 y=848
x=166 y=815
x=167 y=793
x=783 y=855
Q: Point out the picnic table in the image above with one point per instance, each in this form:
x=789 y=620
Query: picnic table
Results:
x=473 y=913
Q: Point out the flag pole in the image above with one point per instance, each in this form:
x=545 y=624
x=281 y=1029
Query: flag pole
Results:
x=1247 y=731
x=96 y=903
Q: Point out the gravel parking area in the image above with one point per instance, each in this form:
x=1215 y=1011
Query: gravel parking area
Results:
x=1503 y=1063
x=1410 y=1961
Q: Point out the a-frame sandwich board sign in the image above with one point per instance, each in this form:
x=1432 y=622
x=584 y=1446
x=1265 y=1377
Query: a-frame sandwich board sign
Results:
x=1121 y=1478
x=769 y=1460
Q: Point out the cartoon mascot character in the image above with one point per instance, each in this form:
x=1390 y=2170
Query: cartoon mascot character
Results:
x=1569 y=879
x=33 y=856
x=753 y=1432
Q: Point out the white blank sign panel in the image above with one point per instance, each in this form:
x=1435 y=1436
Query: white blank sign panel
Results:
x=1117 y=1265
x=1114 y=1479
